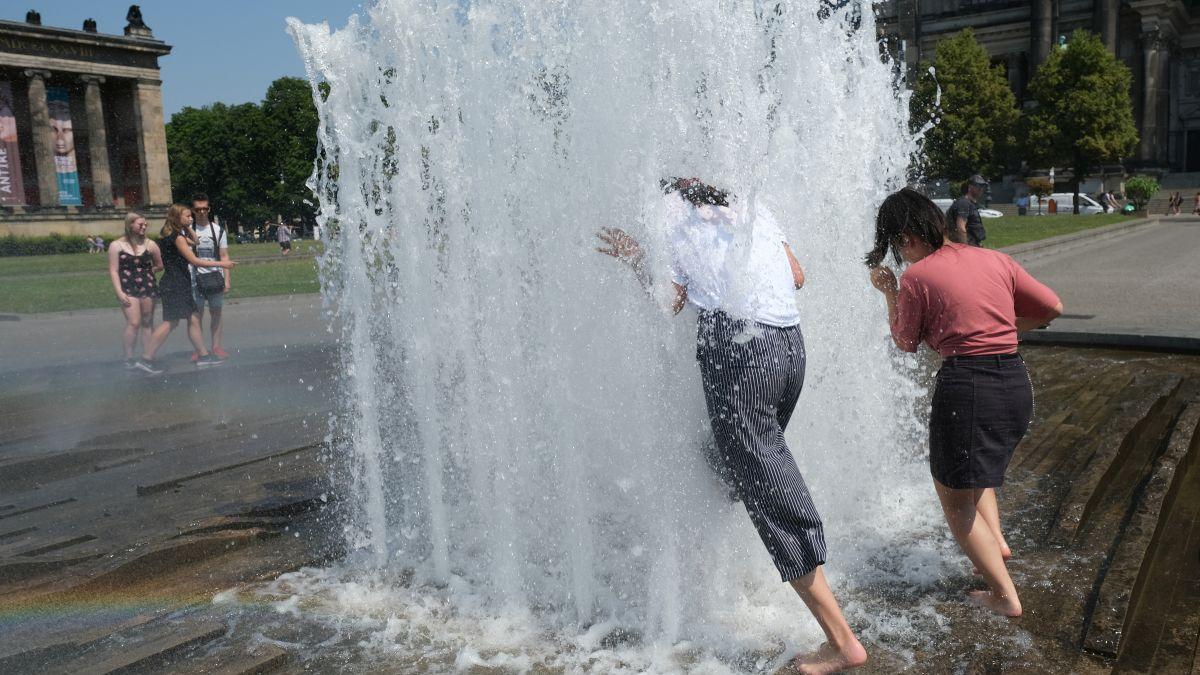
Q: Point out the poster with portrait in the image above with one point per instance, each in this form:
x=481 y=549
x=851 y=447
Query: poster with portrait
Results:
x=12 y=188
x=65 y=168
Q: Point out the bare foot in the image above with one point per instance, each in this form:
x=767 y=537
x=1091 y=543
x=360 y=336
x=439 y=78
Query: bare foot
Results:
x=1010 y=607
x=830 y=659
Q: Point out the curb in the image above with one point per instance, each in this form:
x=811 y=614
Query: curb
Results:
x=1149 y=343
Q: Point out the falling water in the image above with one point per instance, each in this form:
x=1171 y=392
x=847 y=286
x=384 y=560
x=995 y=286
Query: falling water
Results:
x=521 y=424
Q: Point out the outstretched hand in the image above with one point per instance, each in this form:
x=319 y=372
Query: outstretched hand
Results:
x=884 y=279
x=622 y=246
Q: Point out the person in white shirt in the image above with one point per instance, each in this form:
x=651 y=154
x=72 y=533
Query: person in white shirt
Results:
x=735 y=266
x=210 y=284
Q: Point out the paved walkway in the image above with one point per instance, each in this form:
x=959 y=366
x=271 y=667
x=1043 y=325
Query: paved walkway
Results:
x=1142 y=281
x=94 y=336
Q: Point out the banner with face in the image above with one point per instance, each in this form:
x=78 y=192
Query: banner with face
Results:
x=65 y=168
x=12 y=188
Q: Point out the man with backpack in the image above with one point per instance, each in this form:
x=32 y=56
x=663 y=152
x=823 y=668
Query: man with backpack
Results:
x=209 y=284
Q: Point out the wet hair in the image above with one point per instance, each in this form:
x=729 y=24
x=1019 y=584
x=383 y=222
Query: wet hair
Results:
x=130 y=219
x=695 y=191
x=174 y=222
x=906 y=212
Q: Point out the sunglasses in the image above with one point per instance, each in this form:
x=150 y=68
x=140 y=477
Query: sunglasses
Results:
x=203 y=209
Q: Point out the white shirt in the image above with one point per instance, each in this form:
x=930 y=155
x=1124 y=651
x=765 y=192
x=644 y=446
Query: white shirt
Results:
x=208 y=248
x=709 y=258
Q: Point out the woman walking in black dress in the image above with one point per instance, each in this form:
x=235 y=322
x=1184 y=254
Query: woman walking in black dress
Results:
x=175 y=288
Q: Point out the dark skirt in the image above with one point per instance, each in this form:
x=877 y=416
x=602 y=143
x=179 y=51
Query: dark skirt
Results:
x=177 y=300
x=981 y=410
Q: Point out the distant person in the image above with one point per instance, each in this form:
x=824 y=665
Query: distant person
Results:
x=752 y=370
x=967 y=304
x=283 y=235
x=1110 y=202
x=1023 y=205
x=1196 y=204
x=1174 y=204
x=966 y=227
x=99 y=244
x=132 y=261
x=210 y=284
x=175 y=289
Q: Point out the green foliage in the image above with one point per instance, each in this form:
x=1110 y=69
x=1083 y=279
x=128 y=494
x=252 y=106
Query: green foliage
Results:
x=1084 y=117
x=1141 y=189
x=252 y=160
x=975 y=122
x=53 y=244
x=291 y=121
x=1040 y=186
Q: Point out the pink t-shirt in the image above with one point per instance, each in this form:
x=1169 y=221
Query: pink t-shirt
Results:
x=965 y=300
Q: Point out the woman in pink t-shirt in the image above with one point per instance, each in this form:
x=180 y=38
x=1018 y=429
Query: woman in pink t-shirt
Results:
x=967 y=303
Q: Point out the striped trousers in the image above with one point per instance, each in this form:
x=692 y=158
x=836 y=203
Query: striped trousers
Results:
x=751 y=388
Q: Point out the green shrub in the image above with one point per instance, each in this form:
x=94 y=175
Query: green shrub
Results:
x=53 y=244
x=1141 y=189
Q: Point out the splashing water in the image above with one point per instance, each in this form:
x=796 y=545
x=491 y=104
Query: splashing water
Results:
x=522 y=425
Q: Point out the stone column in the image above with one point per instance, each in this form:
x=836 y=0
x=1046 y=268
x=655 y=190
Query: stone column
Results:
x=1107 y=12
x=1016 y=76
x=152 y=142
x=97 y=141
x=1041 y=34
x=1154 y=87
x=43 y=138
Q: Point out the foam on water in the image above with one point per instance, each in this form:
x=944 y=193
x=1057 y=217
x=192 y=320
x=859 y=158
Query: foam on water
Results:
x=521 y=425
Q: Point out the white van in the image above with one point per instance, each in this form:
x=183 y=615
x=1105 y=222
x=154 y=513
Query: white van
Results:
x=944 y=205
x=1087 y=205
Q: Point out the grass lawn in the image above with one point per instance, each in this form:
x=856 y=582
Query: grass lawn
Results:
x=1010 y=230
x=80 y=281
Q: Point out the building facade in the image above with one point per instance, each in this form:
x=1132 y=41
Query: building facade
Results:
x=1158 y=39
x=82 y=136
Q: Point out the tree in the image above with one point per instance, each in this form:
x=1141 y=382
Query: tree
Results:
x=1040 y=187
x=975 y=120
x=252 y=160
x=221 y=150
x=1141 y=189
x=291 y=119
x=1084 y=117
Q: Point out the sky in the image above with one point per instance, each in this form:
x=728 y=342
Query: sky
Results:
x=222 y=50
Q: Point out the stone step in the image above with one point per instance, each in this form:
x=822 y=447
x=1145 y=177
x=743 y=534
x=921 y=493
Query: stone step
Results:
x=1116 y=451
x=1125 y=578
x=240 y=660
x=1161 y=629
x=146 y=650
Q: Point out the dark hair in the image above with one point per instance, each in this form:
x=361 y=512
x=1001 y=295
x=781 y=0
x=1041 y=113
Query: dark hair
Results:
x=199 y=197
x=906 y=212
x=695 y=191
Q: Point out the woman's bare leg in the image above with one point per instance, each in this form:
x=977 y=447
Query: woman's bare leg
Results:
x=196 y=333
x=157 y=337
x=978 y=541
x=147 y=325
x=842 y=649
x=985 y=502
x=133 y=322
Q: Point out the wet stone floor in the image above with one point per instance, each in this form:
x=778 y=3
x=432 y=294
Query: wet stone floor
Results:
x=121 y=522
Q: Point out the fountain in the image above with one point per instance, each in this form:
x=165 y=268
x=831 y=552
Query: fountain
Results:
x=521 y=427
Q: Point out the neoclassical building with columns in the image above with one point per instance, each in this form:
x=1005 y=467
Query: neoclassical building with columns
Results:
x=82 y=137
x=1158 y=39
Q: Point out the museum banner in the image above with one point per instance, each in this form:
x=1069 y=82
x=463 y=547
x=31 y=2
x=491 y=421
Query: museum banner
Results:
x=65 y=167
x=12 y=188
